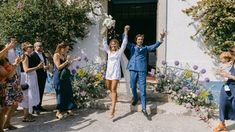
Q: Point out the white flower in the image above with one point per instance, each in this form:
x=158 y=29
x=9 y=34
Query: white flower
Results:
x=108 y=22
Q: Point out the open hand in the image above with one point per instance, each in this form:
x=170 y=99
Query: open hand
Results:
x=104 y=31
x=18 y=60
x=162 y=35
x=40 y=65
x=127 y=28
x=68 y=57
x=77 y=59
x=10 y=45
x=224 y=73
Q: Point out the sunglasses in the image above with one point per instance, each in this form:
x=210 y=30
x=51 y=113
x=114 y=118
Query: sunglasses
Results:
x=30 y=47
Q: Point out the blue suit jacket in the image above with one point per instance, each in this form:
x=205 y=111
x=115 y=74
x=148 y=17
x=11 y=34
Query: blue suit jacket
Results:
x=138 y=58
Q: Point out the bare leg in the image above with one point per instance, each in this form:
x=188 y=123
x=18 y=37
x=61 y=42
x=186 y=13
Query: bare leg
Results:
x=2 y=117
x=114 y=96
x=9 y=114
x=26 y=112
x=108 y=84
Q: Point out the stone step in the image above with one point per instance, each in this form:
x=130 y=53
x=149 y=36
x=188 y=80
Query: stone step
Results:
x=158 y=97
x=151 y=95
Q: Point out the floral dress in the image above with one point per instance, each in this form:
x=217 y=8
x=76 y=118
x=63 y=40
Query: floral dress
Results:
x=2 y=94
x=13 y=91
x=10 y=90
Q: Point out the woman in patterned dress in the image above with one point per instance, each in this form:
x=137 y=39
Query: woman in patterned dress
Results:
x=10 y=92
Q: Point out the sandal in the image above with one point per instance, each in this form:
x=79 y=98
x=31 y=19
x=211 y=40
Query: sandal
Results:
x=59 y=116
x=28 y=119
x=10 y=127
x=220 y=127
x=70 y=113
x=112 y=114
x=32 y=116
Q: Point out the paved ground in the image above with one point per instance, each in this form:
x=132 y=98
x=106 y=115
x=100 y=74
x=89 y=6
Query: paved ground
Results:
x=170 y=118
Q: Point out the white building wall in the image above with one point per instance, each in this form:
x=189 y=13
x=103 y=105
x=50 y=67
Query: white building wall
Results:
x=179 y=44
x=88 y=47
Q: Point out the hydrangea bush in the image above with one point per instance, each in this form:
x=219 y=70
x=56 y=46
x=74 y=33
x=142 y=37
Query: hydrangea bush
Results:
x=88 y=83
x=183 y=86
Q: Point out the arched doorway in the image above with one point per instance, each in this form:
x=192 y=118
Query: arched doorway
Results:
x=141 y=15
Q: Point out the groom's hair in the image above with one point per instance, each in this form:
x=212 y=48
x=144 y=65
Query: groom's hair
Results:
x=139 y=35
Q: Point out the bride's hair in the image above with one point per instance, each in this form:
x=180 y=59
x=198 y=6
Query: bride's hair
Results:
x=116 y=42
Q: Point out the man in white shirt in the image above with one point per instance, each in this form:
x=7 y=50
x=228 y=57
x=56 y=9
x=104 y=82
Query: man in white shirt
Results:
x=13 y=53
x=38 y=57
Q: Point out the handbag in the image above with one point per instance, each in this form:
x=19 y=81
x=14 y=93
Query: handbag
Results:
x=65 y=74
x=24 y=86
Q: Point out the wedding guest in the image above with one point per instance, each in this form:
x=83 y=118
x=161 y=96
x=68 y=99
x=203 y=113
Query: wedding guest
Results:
x=227 y=96
x=39 y=57
x=31 y=96
x=11 y=93
x=226 y=63
x=62 y=81
x=137 y=66
x=113 y=71
x=14 y=93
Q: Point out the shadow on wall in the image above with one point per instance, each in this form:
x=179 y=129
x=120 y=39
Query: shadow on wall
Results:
x=201 y=45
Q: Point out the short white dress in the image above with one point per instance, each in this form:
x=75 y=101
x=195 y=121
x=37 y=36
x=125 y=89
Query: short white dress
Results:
x=113 y=71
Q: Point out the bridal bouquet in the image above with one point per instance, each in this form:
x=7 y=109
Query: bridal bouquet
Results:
x=108 y=23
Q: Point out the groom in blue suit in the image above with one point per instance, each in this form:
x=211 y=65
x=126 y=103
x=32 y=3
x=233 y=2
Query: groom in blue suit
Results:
x=137 y=67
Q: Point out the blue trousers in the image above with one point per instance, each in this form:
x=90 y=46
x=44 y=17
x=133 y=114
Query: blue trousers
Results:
x=139 y=76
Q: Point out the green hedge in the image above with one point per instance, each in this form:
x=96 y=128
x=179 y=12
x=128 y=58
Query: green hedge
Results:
x=50 y=21
x=216 y=23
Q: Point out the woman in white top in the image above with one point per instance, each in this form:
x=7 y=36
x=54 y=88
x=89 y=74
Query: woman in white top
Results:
x=113 y=71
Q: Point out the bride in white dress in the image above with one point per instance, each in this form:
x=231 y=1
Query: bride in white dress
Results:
x=113 y=71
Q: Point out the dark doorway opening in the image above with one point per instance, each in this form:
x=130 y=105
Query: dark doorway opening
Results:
x=141 y=16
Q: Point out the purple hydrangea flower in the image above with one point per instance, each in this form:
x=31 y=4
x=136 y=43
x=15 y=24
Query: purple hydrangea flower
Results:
x=207 y=80
x=77 y=67
x=203 y=71
x=85 y=59
x=74 y=71
x=177 y=63
x=195 y=67
x=198 y=92
x=99 y=67
x=163 y=62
